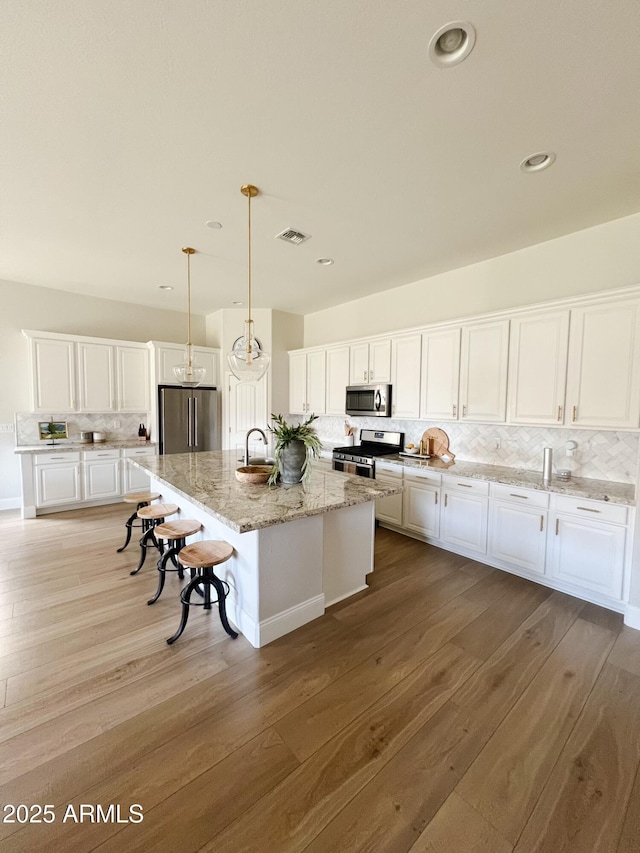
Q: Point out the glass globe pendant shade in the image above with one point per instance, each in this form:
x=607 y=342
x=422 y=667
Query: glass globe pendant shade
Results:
x=188 y=373
x=246 y=360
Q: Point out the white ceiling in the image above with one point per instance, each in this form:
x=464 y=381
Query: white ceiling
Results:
x=127 y=124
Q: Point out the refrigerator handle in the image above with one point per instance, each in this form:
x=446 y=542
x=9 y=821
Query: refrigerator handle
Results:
x=189 y=422
x=195 y=421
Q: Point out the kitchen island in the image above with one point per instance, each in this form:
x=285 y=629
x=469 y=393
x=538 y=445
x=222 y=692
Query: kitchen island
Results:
x=297 y=548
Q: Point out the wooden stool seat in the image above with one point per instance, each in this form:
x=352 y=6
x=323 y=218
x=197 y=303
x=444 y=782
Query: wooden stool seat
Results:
x=141 y=497
x=156 y=511
x=201 y=557
x=208 y=553
x=174 y=532
x=152 y=516
x=178 y=529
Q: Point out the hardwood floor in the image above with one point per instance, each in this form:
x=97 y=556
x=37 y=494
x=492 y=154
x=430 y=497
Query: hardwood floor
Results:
x=449 y=708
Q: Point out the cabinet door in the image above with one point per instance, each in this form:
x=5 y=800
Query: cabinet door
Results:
x=440 y=375
x=483 y=371
x=135 y=480
x=588 y=554
x=518 y=536
x=380 y=361
x=53 y=375
x=538 y=368
x=405 y=376
x=421 y=509
x=209 y=360
x=603 y=380
x=58 y=484
x=96 y=378
x=359 y=364
x=297 y=383
x=102 y=479
x=132 y=365
x=166 y=359
x=316 y=382
x=465 y=520
x=337 y=380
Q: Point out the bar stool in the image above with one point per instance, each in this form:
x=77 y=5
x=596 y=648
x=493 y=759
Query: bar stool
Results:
x=203 y=556
x=174 y=532
x=151 y=517
x=140 y=499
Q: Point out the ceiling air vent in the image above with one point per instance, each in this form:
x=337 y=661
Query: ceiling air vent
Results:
x=290 y=235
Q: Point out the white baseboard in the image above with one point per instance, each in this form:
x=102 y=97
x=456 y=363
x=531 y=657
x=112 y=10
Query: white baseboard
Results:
x=259 y=634
x=10 y=503
x=632 y=616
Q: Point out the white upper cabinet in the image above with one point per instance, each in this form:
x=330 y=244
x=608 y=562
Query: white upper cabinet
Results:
x=96 y=378
x=538 y=367
x=440 y=375
x=168 y=356
x=53 y=375
x=370 y=361
x=307 y=381
x=483 y=371
x=133 y=379
x=405 y=376
x=603 y=377
x=337 y=380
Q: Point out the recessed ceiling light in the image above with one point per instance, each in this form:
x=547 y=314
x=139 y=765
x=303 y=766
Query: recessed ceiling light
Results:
x=325 y=262
x=538 y=162
x=164 y=287
x=213 y=224
x=452 y=43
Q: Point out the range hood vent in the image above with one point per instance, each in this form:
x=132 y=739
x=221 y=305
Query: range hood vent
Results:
x=290 y=235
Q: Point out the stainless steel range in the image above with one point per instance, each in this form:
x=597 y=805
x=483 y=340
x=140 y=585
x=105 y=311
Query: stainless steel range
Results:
x=361 y=458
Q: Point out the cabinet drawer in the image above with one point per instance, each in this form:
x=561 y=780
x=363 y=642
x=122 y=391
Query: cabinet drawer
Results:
x=96 y=455
x=462 y=484
x=58 y=458
x=594 y=510
x=138 y=451
x=525 y=497
x=419 y=476
x=389 y=471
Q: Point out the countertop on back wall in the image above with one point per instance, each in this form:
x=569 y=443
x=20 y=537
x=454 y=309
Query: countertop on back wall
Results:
x=74 y=446
x=581 y=487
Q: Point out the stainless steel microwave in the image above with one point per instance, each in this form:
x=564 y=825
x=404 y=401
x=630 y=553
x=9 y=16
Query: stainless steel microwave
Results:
x=369 y=401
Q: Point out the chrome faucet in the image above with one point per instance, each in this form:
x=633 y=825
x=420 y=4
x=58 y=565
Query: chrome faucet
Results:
x=246 y=442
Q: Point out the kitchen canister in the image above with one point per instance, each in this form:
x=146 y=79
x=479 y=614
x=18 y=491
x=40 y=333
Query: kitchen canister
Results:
x=86 y=437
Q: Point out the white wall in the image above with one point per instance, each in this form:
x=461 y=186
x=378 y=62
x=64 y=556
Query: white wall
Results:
x=24 y=306
x=600 y=258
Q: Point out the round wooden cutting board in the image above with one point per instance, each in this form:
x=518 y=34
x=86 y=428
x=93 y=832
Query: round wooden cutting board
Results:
x=440 y=442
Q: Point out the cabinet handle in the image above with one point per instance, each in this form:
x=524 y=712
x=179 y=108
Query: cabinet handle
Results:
x=364 y=375
x=465 y=485
x=587 y=509
x=455 y=411
x=522 y=497
x=559 y=413
x=557 y=525
x=575 y=414
x=436 y=497
x=445 y=499
x=541 y=523
x=464 y=411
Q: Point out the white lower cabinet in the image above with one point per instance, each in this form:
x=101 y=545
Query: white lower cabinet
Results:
x=101 y=474
x=389 y=509
x=587 y=545
x=518 y=527
x=134 y=479
x=57 y=479
x=421 y=503
x=465 y=512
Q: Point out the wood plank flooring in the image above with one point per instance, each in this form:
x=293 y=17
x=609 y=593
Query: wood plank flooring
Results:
x=449 y=708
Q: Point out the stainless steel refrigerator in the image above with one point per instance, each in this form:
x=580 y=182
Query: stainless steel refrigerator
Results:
x=188 y=419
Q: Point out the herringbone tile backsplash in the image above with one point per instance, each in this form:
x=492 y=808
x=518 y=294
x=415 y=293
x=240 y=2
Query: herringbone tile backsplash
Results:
x=603 y=455
x=27 y=432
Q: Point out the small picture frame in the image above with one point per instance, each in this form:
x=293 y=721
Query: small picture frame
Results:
x=52 y=430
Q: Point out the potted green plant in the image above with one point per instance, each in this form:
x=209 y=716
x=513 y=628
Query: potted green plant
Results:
x=294 y=447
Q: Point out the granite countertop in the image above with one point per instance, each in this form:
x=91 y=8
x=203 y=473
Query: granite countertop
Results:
x=208 y=480
x=582 y=487
x=73 y=446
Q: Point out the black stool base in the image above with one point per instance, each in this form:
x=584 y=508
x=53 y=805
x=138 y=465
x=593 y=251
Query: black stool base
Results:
x=207 y=579
x=129 y=523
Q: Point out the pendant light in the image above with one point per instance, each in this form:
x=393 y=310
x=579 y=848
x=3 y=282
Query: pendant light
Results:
x=247 y=360
x=189 y=373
